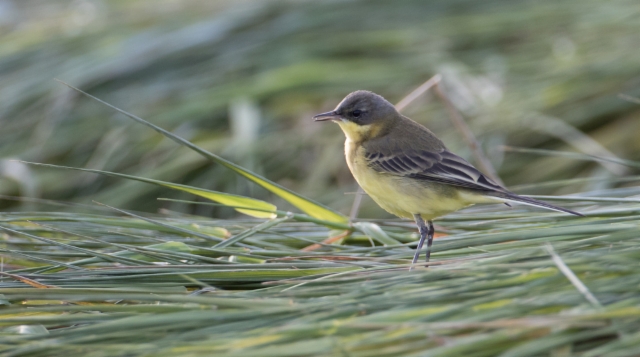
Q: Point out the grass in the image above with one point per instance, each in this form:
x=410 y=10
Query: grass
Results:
x=112 y=279
x=502 y=282
x=181 y=64
x=105 y=285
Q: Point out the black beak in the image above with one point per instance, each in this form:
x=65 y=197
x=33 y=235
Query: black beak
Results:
x=332 y=115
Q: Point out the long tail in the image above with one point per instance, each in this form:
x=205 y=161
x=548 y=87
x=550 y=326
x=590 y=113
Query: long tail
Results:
x=530 y=201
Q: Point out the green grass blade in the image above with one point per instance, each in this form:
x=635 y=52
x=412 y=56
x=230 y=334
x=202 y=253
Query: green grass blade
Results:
x=295 y=216
x=571 y=155
x=264 y=209
x=178 y=229
x=260 y=227
x=374 y=231
x=314 y=209
x=105 y=257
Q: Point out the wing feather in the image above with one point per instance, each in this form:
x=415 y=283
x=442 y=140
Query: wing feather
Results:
x=442 y=167
x=431 y=161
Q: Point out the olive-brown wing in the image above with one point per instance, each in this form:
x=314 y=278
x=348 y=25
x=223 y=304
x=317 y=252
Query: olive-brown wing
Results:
x=442 y=166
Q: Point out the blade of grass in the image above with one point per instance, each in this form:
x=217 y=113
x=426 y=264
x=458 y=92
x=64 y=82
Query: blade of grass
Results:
x=37 y=259
x=572 y=276
x=224 y=198
x=295 y=216
x=585 y=199
x=571 y=155
x=308 y=206
x=161 y=224
x=253 y=230
x=105 y=257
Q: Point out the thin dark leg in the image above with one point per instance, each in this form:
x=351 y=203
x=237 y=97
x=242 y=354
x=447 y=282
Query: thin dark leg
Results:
x=430 y=240
x=423 y=235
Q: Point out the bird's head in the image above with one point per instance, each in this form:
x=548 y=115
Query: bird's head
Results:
x=362 y=114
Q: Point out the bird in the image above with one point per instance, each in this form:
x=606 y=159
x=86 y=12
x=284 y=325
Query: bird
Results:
x=407 y=170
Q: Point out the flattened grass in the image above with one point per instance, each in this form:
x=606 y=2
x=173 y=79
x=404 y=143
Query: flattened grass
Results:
x=493 y=288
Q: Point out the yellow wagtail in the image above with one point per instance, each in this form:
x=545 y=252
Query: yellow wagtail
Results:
x=407 y=170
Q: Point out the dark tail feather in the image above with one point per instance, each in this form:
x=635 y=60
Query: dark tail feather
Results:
x=532 y=202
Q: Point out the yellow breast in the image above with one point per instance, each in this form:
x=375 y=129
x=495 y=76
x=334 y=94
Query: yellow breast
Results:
x=403 y=196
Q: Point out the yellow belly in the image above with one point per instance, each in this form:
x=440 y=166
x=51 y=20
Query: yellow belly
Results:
x=405 y=197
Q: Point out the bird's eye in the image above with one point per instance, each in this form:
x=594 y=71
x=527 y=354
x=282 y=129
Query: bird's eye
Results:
x=356 y=113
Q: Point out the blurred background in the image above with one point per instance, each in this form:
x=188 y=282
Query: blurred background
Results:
x=243 y=79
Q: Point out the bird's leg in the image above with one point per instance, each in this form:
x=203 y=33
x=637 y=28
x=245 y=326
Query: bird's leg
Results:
x=430 y=234
x=423 y=235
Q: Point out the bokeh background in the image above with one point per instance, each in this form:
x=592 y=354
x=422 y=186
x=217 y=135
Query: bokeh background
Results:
x=243 y=78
